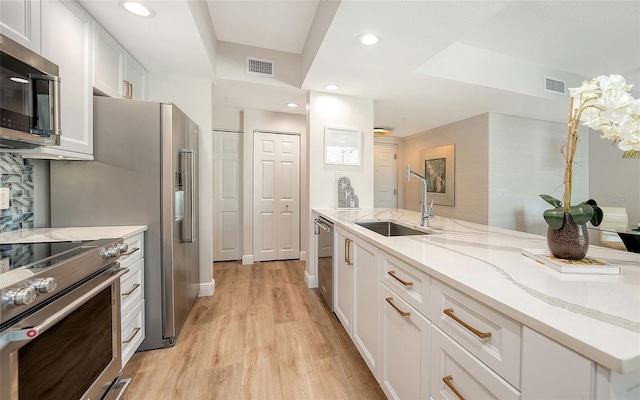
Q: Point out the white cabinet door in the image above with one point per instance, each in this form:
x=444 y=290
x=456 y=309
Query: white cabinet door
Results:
x=20 y=21
x=366 y=318
x=67 y=41
x=550 y=370
x=405 y=348
x=343 y=280
x=108 y=63
x=136 y=76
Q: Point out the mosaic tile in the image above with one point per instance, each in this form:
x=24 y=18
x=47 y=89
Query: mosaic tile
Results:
x=16 y=173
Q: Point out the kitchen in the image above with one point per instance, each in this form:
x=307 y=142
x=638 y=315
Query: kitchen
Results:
x=212 y=107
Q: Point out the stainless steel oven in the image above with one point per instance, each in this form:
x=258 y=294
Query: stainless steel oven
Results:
x=60 y=336
x=29 y=98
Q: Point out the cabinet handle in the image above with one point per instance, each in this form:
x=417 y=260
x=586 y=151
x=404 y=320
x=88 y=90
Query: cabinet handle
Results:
x=405 y=283
x=135 y=332
x=128 y=94
x=130 y=252
x=130 y=90
x=347 y=250
x=126 y=89
x=403 y=313
x=447 y=381
x=481 y=335
x=137 y=285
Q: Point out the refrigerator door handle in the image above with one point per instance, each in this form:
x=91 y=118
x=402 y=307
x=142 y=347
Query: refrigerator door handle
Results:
x=188 y=176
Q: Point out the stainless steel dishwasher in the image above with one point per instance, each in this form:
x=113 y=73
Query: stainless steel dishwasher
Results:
x=324 y=250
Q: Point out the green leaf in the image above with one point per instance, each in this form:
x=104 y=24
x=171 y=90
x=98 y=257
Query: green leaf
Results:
x=551 y=200
x=581 y=213
x=554 y=217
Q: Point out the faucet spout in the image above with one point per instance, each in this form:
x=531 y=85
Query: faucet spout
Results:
x=427 y=209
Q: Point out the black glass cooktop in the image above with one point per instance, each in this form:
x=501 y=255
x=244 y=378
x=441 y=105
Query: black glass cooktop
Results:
x=18 y=255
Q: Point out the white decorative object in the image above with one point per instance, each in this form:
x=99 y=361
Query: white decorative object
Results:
x=342 y=146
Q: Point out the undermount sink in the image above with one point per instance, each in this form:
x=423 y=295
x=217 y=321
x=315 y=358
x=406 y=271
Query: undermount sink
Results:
x=388 y=228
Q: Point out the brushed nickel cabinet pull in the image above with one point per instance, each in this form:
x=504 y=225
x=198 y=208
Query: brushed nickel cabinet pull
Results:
x=447 y=381
x=127 y=88
x=405 y=283
x=130 y=252
x=347 y=251
x=135 y=332
x=481 y=335
x=403 y=313
x=137 y=285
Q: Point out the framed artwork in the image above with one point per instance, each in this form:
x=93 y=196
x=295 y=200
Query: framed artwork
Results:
x=342 y=146
x=440 y=173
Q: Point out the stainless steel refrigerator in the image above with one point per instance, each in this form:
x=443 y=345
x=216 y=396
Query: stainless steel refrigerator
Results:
x=145 y=172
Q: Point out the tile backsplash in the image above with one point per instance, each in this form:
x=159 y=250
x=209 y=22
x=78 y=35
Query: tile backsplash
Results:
x=16 y=173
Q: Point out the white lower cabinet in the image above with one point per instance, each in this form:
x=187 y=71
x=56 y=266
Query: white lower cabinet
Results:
x=366 y=319
x=404 y=335
x=457 y=374
x=343 y=280
x=132 y=297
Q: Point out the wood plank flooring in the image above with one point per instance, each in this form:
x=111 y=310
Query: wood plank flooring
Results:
x=263 y=335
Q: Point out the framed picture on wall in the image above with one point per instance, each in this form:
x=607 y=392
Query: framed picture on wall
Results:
x=342 y=146
x=439 y=171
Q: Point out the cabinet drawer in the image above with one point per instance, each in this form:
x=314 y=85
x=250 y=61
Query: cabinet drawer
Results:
x=404 y=372
x=407 y=281
x=131 y=287
x=455 y=369
x=134 y=242
x=492 y=337
x=132 y=332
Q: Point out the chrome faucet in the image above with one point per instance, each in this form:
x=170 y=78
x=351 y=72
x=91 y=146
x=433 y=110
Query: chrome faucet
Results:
x=427 y=211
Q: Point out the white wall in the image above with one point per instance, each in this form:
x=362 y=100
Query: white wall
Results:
x=503 y=164
x=193 y=96
x=267 y=121
x=471 y=140
x=224 y=119
x=345 y=112
x=525 y=161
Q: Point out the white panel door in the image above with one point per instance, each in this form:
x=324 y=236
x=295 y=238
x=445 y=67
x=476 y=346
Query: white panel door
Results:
x=276 y=188
x=384 y=183
x=227 y=221
x=20 y=21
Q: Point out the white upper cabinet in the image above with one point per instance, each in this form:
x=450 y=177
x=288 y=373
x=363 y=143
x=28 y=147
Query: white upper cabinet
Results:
x=66 y=40
x=108 y=67
x=136 y=77
x=20 y=20
x=115 y=72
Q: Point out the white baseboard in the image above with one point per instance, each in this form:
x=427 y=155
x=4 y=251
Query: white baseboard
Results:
x=312 y=281
x=303 y=255
x=247 y=259
x=207 y=289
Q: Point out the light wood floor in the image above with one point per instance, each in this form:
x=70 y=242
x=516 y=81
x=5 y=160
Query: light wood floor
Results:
x=262 y=335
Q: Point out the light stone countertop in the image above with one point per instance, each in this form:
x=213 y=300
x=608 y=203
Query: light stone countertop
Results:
x=71 y=234
x=597 y=316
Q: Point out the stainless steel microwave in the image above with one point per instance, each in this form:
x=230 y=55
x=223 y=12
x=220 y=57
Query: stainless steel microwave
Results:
x=29 y=98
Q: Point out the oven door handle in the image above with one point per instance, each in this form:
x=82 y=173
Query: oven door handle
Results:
x=98 y=284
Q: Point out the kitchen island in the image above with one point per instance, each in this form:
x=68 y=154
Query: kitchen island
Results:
x=595 y=316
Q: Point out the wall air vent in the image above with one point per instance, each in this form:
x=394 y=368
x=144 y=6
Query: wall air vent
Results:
x=554 y=85
x=260 y=66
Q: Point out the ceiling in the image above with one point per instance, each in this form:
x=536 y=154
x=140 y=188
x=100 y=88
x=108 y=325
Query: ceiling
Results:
x=437 y=62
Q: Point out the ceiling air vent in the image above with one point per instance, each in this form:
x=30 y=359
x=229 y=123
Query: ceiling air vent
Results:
x=554 y=85
x=260 y=66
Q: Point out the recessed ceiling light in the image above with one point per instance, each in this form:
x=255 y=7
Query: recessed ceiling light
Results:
x=369 y=39
x=331 y=86
x=19 y=80
x=292 y=105
x=138 y=9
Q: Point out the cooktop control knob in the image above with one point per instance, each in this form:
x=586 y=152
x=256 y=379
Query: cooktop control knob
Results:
x=123 y=248
x=22 y=296
x=111 y=252
x=44 y=285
